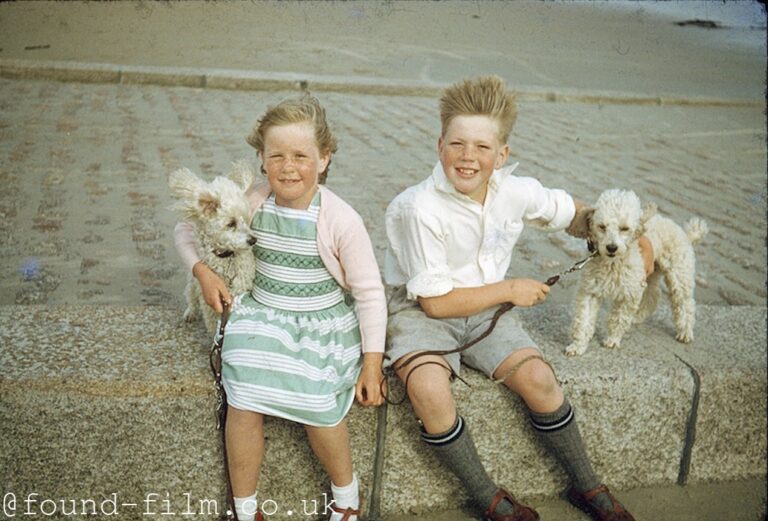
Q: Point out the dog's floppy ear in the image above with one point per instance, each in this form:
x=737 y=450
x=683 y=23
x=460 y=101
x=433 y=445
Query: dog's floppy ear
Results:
x=581 y=223
x=242 y=174
x=184 y=184
x=649 y=210
x=208 y=203
x=195 y=198
x=187 y=187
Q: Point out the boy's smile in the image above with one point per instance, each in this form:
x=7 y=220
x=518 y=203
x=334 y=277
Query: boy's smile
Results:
x=469 y=151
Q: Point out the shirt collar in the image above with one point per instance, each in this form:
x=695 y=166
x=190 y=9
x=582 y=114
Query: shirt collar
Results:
x=444 y=185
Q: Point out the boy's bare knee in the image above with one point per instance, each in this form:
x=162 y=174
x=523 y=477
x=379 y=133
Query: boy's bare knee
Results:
x=541 y=377
x=428 y=383
x=534 y=377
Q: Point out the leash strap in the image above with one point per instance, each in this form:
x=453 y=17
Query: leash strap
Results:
x=221 y=405
x=392 y=369
x=518 y=365
x=215 y=362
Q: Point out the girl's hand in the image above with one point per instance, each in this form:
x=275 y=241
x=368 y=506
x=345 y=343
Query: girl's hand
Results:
x=527 y=292
x=212 y=286
x=369 y=384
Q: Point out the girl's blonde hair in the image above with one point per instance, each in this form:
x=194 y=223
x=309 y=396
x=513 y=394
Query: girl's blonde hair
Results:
x=484 y=96
x=296 y=110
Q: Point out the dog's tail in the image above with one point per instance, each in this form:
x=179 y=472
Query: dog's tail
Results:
x=696 y=229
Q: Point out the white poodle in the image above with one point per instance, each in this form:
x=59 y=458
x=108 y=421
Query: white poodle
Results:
x=613 y=228
x=219 y=212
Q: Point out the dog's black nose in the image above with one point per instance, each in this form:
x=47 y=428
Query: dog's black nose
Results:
x=611 y=248
x=251 y=241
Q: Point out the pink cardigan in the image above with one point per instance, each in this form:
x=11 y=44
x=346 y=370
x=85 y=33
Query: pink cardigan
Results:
x=345 y=248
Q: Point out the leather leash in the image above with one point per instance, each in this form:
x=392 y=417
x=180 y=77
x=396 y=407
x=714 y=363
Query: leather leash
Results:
x=392 y=369
x=221 y=405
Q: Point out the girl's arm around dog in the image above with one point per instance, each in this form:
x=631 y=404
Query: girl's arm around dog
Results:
x=212 y=287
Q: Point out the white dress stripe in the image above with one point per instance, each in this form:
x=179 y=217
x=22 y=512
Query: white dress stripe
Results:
x=286 y=244
x=297 y=303
x=294 y=275
x=284 y=364
x=310 y=214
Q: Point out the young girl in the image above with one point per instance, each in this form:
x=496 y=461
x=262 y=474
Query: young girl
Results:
x=292 y=345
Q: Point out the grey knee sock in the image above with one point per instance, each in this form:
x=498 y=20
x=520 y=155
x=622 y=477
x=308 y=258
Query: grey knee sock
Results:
x=561 y=435
x=457 y=451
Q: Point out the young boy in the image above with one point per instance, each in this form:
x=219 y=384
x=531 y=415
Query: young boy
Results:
x=450 y=244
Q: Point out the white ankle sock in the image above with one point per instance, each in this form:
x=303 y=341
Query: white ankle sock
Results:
x=345 y=497
x=245 y=508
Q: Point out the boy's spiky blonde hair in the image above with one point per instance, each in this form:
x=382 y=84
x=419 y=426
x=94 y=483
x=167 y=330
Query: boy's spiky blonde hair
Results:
x=306 y=109
x=483 y=96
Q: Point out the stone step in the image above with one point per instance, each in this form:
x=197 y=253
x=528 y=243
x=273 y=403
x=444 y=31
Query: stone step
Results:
x=112 y=408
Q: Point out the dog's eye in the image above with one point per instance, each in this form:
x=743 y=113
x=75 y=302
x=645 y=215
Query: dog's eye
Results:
x=624 y=228
x=601 y=226
x=232 y=224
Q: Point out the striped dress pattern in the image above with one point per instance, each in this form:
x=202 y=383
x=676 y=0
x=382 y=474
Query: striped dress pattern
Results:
x=292 y=345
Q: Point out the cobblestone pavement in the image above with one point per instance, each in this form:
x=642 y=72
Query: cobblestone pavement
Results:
x=84 y=203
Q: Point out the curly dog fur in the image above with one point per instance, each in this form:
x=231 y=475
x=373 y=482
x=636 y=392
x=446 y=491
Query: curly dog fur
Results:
x=219 y=211
x=617 y=273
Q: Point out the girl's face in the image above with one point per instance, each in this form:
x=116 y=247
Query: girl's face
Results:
x=293 y=163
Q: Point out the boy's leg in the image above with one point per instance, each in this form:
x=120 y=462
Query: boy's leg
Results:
x=429 y=390
x=244 y=433
x=332 y=448
x=552 y=417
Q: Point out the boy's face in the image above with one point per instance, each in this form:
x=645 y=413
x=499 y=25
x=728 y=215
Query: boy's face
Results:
x=469 y=151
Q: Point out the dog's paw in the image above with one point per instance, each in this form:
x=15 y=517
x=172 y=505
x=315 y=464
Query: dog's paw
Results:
x=612 y=342
x=575 y=349
x=685 y=337
x=190 y=316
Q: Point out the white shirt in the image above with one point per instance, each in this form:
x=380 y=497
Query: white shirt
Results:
x=440 y=239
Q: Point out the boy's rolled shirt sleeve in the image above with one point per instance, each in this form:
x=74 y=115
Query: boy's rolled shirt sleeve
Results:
x=420 y=251
x=549 y=208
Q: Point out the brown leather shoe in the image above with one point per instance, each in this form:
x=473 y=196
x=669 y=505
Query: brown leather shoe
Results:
x=522 y=512
x=584 y=502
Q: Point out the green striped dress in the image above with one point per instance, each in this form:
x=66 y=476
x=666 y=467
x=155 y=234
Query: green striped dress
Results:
x=292 y=345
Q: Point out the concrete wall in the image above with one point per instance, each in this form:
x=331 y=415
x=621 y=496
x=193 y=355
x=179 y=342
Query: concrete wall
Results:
x=98 y=401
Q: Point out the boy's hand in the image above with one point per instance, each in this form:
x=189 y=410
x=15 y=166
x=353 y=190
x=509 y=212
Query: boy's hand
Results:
x=646 y=250
x=527 y=292
x=369 y=384
x=212 y=287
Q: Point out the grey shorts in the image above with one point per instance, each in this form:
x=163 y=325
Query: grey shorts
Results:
x=410 y=330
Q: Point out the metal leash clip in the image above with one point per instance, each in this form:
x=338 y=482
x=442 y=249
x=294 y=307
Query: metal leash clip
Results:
x=551 y=281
